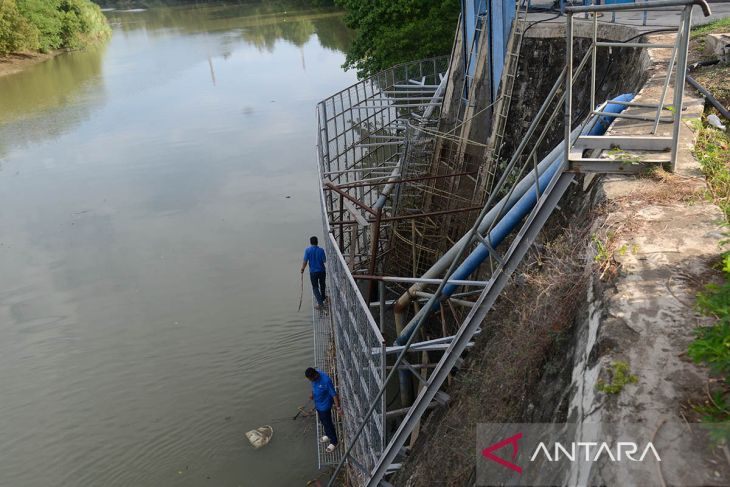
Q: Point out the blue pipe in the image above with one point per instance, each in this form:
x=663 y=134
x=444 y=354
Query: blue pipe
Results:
x=514 y=216
x=603 y=121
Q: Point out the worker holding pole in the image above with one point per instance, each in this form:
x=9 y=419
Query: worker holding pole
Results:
x=315 y=257
x=325 y=396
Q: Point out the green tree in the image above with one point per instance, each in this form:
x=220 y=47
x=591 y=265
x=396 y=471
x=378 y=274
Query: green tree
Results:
x=389 y=32
x=45 y=19
x=46 y=25
x=16 y=34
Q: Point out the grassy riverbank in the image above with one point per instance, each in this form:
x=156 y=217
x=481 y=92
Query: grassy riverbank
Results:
x=45 y=26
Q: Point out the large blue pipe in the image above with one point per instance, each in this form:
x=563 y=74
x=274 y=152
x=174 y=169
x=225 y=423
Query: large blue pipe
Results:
x=603 y=121
x=515 y=215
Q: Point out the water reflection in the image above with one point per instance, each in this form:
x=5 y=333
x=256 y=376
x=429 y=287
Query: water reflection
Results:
x=260 y=24
x=38 y=99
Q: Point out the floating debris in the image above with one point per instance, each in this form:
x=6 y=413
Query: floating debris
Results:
x=260 y=436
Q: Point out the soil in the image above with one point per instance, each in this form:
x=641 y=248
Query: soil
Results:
x=14 y=63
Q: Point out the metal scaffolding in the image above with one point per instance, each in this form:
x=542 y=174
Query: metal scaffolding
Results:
x=390 y=190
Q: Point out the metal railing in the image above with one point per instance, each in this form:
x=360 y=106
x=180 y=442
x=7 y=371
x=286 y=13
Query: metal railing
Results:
x=546 y=191
x=677 y=62
x=360 y=139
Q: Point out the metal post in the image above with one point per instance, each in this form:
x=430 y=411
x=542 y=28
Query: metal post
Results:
x=381 y=295
x=660 y=106
x=594 y=54
x=679 y=83
x=568 y=83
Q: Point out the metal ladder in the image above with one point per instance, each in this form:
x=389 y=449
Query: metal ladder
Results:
x=509 y=75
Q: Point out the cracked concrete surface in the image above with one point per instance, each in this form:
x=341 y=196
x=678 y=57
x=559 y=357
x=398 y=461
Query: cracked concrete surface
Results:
x=666 y=241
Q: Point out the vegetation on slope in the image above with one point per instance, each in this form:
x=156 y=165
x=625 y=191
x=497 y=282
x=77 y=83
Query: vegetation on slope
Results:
x=389 y=32
x=712 y=149
x=46 y=25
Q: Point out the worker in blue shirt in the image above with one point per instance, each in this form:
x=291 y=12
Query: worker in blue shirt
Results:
x=314 y=256
x=324 y=395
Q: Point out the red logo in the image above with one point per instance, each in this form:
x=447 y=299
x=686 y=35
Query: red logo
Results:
x=487 y=452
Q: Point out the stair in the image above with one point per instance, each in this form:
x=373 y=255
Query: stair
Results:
x=619 y=154
x=502 y=105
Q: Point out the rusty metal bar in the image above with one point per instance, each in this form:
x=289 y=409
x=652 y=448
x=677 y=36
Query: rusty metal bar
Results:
x=333 y=187
x=407 y=180
x=408 y=217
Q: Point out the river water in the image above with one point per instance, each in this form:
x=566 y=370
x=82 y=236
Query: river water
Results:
x=156 y=194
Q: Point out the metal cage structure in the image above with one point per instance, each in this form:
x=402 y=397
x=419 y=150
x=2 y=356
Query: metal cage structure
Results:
x=361 y=153
x=369 y=142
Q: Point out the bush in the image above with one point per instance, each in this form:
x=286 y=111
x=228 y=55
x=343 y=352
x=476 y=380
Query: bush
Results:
x=45 y=25
x=16 y=34
x=390 y=32
x=82 y=23
x=45 y=18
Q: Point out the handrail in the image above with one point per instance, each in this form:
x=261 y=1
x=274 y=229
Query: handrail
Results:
x=618 y=7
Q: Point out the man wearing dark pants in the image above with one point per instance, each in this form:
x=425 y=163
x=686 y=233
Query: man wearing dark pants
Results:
x=324 y=395
x=314 y=256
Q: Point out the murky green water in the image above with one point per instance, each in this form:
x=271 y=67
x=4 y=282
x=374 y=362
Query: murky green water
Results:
x=155 y=196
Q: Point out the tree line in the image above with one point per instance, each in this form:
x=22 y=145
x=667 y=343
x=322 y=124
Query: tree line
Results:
x=47 y=25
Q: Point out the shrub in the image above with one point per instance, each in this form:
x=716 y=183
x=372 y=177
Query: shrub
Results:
x=16 y=34
x=45 y=25
x=45 y=18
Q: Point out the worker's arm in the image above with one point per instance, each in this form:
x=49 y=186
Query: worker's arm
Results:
x=304 y=261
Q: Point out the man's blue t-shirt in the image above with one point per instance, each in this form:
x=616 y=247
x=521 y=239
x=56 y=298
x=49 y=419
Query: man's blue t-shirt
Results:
x=316 y=258
x=323 y=391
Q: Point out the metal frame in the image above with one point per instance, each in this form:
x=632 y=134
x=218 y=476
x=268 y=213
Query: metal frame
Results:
x=679 y=54
x=359 y=149
x=368 y=135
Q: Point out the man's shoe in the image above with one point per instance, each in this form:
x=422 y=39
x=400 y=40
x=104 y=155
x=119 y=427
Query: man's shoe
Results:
x=330 y=448
x=325 y=439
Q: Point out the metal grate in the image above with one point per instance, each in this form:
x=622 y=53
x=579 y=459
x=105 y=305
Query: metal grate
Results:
x=324 y=359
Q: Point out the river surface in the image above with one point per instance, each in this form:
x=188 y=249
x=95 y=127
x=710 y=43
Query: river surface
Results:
x=156 y=194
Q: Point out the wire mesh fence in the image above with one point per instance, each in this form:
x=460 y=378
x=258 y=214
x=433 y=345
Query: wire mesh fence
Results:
x=361 y=132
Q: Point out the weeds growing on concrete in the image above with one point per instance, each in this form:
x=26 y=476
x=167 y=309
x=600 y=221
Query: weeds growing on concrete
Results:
x=713 y=152
x=620 y=376
x=711 y=345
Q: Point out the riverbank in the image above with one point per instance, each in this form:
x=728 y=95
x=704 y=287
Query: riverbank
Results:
x=17 y=62
x=34 y=31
